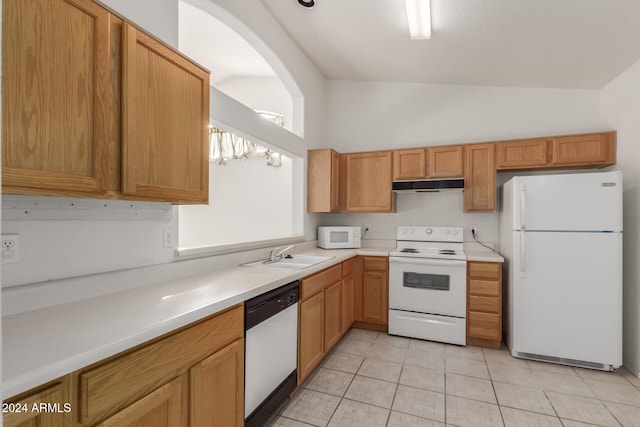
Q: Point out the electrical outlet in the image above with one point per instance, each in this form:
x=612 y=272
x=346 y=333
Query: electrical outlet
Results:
x=474 y=229
x=168 y=238
x=10 y=248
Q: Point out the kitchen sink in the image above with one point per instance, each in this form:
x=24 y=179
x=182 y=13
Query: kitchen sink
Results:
x=295 y=262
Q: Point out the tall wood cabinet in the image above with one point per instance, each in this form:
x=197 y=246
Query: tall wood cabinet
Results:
x=83 y=91
x=368 y=182
x=480 y=178
x=323 y=180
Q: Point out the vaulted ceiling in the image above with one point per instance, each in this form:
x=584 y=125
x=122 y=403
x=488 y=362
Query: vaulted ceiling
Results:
x=579 y=44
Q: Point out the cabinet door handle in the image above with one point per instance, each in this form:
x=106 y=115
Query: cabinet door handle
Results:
x=523 y=256
x=523 y=207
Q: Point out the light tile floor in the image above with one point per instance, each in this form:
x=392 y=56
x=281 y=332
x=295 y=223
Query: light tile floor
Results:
x=373 y=379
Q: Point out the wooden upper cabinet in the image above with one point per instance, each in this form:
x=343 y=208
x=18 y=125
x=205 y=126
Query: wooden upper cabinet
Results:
x=409 y=164
x=571 y=151
x=595 y=149
x=56 y=100
x=445 y=162
x=369 y=178
x=522 y=154
x=432 y=162
x=84 y=92
x=480 y=178
x=165 y=122
x=323 y=180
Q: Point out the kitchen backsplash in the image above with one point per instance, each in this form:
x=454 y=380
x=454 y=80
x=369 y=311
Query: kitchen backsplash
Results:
x=440 y=209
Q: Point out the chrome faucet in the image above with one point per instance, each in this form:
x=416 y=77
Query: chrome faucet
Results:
x=276 y=255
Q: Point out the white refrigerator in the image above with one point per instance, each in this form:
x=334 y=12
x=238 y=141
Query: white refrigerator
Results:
x=561 y=237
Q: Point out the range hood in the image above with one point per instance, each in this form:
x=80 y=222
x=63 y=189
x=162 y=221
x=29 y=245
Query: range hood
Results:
x=428 y=185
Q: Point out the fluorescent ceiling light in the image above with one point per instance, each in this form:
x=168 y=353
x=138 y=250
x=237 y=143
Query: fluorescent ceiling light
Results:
x=419 y=17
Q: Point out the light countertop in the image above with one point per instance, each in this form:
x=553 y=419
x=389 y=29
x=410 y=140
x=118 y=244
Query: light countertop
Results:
x=46 y=343
x=476 y=252
x=43 y=344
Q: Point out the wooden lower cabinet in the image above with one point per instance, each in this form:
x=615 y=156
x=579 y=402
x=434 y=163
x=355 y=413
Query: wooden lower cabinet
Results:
x=310 y=335
x=332 y=314
x=192 y=377
x=217 y=388
x=324 y=303
x=21 y=414
x=348 y=285
x=484 y=303
x=164 y=407
x=375 y=290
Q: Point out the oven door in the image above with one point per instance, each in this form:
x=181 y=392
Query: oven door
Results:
x=434 y=286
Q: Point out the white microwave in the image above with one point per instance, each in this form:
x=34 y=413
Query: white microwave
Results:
x=339 y=237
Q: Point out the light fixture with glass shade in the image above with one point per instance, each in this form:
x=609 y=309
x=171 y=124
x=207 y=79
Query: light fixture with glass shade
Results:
x=419 y=18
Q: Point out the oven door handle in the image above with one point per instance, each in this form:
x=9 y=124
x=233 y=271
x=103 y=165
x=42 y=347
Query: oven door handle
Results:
x=427 y=261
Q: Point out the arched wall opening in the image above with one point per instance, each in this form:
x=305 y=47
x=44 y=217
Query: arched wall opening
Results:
x=250 y=203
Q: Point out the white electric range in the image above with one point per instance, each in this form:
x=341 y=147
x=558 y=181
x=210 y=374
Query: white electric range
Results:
x=428 y=284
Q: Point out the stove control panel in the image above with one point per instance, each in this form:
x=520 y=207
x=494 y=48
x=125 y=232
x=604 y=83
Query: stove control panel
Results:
x=430 y=234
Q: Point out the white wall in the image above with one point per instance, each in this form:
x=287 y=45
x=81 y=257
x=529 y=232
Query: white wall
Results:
x=261 y=93
x=82 y=245
x=439 y=209
x=253 y=21
x=620 y=104
x=158 y=17
x=365 y=116
x=248 y=200
x=71 y=247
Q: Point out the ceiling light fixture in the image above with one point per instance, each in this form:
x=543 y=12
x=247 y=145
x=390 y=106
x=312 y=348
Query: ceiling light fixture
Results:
x=419 y=18
x=307 y=3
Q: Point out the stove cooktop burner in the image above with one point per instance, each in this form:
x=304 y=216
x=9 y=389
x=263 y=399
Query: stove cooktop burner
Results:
x=447 y=252
x=409 y=250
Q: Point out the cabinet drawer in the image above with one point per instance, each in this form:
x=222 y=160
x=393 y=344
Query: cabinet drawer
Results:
x=347 y=267
x=484 y=304
x=484 y=287
x=484 y=270
x=377 y=263
x=485 y=325
x=311 y=285
x=116 y=384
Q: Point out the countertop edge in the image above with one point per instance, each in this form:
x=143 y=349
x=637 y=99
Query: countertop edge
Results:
x=44 y=372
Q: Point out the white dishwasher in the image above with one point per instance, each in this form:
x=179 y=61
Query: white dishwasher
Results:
x=271 y=349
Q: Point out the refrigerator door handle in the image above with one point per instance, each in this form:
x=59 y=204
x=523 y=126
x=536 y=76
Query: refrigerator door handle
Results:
x=523 y=205
x=523 y=257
